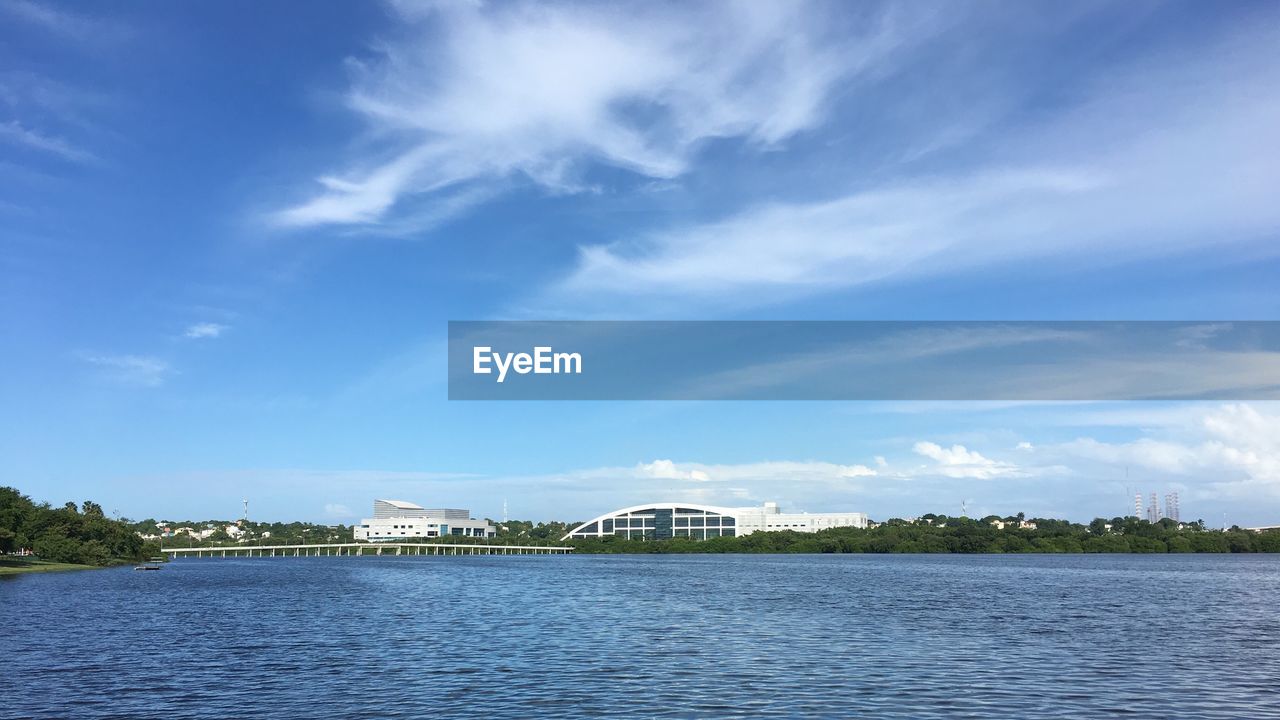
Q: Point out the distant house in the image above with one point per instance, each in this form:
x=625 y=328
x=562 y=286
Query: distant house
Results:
x=1021 y=524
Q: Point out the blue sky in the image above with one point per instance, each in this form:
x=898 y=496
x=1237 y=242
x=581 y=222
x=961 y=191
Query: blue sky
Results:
x=231 y=236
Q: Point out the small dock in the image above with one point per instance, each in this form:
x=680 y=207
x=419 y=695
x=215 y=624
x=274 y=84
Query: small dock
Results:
x=361 y=549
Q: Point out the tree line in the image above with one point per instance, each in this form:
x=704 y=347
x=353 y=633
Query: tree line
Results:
x=68 y=534
x=84 y=535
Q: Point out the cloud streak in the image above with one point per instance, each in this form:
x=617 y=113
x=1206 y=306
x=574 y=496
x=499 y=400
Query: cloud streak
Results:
x=204 y=330
x=475 y=94
x=71 y=25
x=14 y=132
x=136 y=370
x=1124 y=173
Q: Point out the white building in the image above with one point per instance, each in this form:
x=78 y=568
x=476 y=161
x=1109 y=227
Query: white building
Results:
x=400 y=520
x=662 y=521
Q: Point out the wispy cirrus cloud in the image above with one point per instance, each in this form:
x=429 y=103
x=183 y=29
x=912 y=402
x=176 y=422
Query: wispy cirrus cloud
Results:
x=204 y=330
x=830 y=244
x=27 y=92
x=135 y=370
x=38 y=112
x=15 y=133
x=72 y=25
x=473 y=94
x=1119 y=174
x=42 y=114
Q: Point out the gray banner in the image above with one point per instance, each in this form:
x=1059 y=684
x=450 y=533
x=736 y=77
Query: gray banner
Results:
x=857 y=360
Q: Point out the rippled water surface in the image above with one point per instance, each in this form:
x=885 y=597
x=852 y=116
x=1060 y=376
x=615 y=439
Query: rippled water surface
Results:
x=683 y=636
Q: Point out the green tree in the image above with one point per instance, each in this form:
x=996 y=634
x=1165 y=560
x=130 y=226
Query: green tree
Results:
x=1107 y=544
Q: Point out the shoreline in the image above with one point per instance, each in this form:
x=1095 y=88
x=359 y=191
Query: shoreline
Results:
x=26 y=567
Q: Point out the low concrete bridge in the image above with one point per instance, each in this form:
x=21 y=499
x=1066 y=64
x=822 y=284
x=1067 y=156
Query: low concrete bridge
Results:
x=358 y=549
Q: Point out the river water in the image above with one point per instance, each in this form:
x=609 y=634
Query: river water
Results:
x=1189 y=636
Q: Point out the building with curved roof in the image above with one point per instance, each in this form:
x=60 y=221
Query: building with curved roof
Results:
x=666 y=520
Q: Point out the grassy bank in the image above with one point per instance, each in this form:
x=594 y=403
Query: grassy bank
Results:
x=15 y=566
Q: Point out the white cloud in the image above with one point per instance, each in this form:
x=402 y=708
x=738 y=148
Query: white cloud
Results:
x=14 y=132
x=138 y=370
x=204 y=330
x=1196 y=336
x=474 y=94
x=1231 y=451
x=76 y=26
x=23 y=92
x=1024 y=445
x=1120 y=176
x=770 y=470
x=958 y=461
x=848 y=241
x=667 y=470
x=337 y=510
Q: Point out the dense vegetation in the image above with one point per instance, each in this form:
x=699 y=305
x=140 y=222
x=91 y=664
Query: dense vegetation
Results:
x=69 y=534
x=940 y=534
x=531 y=533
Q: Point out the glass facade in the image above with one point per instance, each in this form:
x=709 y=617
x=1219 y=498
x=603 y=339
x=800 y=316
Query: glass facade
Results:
x=662 y=524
